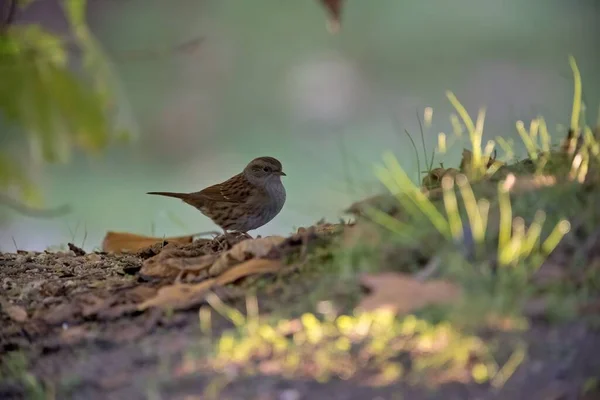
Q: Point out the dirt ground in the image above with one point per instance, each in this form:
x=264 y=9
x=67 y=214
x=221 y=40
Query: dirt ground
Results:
x=76 y=319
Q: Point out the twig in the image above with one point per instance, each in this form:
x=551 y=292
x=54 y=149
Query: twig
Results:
x=84 y=237
x=417 y=154
x=432 y=158
x=423 y=139
x=397 y=128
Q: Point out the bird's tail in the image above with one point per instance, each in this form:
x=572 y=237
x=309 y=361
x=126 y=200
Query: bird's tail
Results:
x=190 y=198
x=182 y=196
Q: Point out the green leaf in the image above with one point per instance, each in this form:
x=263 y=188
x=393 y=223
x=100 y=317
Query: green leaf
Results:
x=12 y=177
x=34 y=43
x=75 y=10
x=55 y=108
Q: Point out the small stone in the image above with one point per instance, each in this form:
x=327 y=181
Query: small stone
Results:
x=93 y=257
x=16 y=313
x=50 y=300
x=7 y=284
x=289 y=394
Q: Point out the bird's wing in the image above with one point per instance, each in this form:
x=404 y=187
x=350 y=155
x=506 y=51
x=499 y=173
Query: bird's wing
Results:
x=233 y=190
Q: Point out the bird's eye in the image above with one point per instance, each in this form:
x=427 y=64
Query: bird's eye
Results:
x=266 y=169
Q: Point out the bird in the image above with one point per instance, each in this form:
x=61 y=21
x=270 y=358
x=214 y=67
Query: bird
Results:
x=245 y=201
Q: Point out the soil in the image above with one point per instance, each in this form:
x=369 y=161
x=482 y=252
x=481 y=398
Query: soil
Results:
x=85 y=338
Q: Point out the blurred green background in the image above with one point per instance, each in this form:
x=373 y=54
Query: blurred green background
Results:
x=269 y=79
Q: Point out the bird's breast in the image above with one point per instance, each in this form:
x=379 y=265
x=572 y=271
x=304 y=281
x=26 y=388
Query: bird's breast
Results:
x=276 y=194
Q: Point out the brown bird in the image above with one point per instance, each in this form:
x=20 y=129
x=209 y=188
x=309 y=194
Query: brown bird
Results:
x=244 y=202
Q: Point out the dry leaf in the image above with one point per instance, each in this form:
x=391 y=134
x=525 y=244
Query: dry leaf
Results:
x=531 y=182
x=171 y=264
x=466 y=162
x=92 y=304
x=251 y=267
x=118 y=242
x=402 y=293
x=120 y=303
x=434 y=177
x=75 y=334
x=16 y=313
x=254 y=248
x=172 y=260
x=112 y=382
x=180 y=296
x=61 y=313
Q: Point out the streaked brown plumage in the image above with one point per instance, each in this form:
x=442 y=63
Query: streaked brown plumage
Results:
x=245 y=201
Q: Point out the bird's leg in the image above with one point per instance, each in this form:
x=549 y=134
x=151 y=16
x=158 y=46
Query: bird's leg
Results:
x=224 y=243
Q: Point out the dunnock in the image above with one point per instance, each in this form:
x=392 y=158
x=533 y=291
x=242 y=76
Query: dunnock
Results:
x=244 y=202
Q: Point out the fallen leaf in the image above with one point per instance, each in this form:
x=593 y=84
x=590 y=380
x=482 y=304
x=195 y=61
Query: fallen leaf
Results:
x=199 y=246
x=61 y=313
x=16 y=313
x=116 y=305
x=91 y=304
x=252 y=267
x=130 y=331
x=139 y=293
x=119 y=242
x=528 y=183
x=169 y=264
x=467 y=157
x=255 y=248
x=116 y=311
x=75 y=334
x=115 y=381
x=180 y=296
x=403 y=293
x=172 y=260
x=434 y=178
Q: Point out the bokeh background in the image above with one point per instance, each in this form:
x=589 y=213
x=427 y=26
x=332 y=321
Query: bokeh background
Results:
x=268 y=78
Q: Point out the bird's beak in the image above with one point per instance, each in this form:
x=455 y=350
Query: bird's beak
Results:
x=281 y=173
